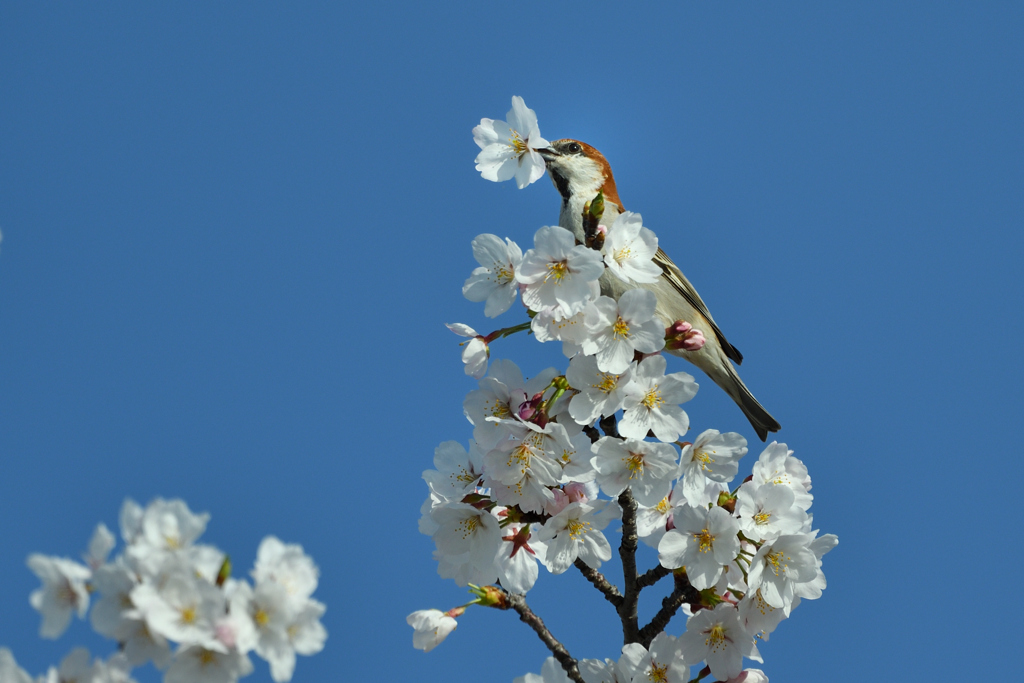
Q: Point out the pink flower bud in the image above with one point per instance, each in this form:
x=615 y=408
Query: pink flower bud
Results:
x=681 y=335
x=576 y=492
x=602 y=230
x=226 y=634
x=560 y=502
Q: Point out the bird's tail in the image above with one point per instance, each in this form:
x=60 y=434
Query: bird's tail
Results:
x=760 y=419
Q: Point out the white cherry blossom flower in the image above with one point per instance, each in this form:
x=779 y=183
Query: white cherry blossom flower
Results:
x=100 y=545
x=495 y=280
x=646 y=468
x=812 y=589
x=629 y=250
x=431 y=627
x=758 y=617
x=663 y=663
x=576 y=532
x=10 y=672
x=777 y=466
x=551 y=324
x=559 y=272
x=619 y=328
x=63 y=592
x=196 y=664
x=476 y=353
x=713 y=456
x=600 y=393
x=718 y=638
x=652 y=402
x=550 y=672
x=767 y=512
x=465 y=529
x=780 y=565
x=507 y=148
x=288 y=565
x=182 y=608
x=703 y=542
x=457 y=471
x=516 y=560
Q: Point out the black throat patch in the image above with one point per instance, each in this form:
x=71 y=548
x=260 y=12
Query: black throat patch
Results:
x=561 y=183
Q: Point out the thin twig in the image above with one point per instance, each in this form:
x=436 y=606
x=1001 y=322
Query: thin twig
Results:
x=602 y=584
x=627 y=552
x=652 y=576
x=526 y=615
x=683 y=592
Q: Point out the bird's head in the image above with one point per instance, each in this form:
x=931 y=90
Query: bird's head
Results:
x=579 y=170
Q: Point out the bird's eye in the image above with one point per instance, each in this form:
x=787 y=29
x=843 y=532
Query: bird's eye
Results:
x=574 y=148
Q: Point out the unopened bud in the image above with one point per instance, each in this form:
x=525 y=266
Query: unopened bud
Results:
x=225 y=571
x=597 y=207
x=727 y=501
x=489 y=596
x=682 y=335
x=456 y=612
x=529 y=410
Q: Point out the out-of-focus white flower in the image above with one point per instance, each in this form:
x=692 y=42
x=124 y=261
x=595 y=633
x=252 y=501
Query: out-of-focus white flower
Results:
x=619 y=328
x=717 y=637
x=629 y=249
x=559 y=272
x=507 y=148
x=646 y=468
x=476 y=353
x=713 y=456
x=166 y=528
x=750 y=676
x=62 y=593
x=431 y=626
x=10 y=672
x=703 y=542
x=182 y=608
x=652 y=402
x=550 y=672
x=100 y=545
x=495 y=280
x=196 y=664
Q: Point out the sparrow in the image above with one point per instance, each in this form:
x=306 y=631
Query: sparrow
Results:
x=579 y=172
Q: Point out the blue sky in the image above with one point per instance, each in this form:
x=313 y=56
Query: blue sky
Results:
x=232 y=235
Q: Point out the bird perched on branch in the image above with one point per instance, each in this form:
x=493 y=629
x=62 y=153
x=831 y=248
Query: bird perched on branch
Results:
x=579 y=173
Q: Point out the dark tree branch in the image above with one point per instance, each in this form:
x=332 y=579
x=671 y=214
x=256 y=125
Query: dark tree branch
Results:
x=526 y=615
x=683 y=592
x=627 y=552
x=652 y=576
x=597 y=578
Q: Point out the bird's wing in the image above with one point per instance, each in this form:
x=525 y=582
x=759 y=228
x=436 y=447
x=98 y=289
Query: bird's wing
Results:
x=683 y=286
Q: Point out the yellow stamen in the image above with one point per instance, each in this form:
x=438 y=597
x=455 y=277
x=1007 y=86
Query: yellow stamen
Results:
x=558 y=271
x=577 y=528
x=777 y=561
x=262 y=617
x=517 y=144
x=652 y=399
x=621 y=328
x=635 y=464
x=188 y=614
x=658 y=673
x=762 y=517
x=607 y=383
x=716 y=639
x=706 y=540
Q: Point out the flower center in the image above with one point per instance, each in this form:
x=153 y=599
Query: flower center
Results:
x=716 y=639
x=705 y=540
x=664 y=506
x=762 y=518
x=777 y=561
x=635 y=465
x=623 y=254
x=262 y=617
x=504 y=274
x=658 y=673
x=188 y=614
x=652 y=399
x=577 y=528
x=557 y=270
x=499 y=409
x=607 y=383
x=621 y=328
x=517 y=144
x=703 y=458
x=469 y=526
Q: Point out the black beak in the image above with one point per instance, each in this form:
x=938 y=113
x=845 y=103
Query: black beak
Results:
x=548 y=153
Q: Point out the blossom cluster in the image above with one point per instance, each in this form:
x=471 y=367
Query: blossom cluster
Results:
x=527 y=490
x=166 y=589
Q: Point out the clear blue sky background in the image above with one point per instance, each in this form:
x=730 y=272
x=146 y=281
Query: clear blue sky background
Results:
x=232 y=235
